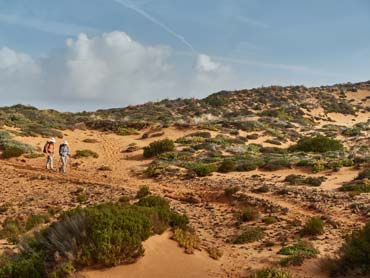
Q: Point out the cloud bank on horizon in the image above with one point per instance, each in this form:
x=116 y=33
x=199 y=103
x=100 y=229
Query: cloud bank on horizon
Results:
x=108 y=70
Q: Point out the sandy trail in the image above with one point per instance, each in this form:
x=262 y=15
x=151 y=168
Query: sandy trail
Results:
x=163 y=259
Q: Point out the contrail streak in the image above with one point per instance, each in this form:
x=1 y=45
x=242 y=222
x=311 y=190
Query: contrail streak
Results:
x=155 y=21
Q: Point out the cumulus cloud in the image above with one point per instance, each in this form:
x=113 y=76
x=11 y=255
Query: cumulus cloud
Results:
x=107 y=70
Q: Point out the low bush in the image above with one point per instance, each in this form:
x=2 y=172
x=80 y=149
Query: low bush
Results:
x=270 y=273
x=353 y=259
x=103 y=235
x=356 y=186
x=186 y=239
x=125 y=131
x=12 y=148
x=202 y=169
x=143 y=192
x=157 y=147
x=302 y=180
x=248 y=214
x=230 y=191
x=268 y=220
x=36 y=220
x=313 y=227
x=85 y=153
x=227 y=165
x=318 y=144
x=249 y=235
x=276 y=164
x=304 y=248
x=156 y=169
x=364 y=174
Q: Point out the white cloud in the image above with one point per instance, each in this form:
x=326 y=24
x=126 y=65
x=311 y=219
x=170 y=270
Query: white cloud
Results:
x=206 y=64
x=107 y=70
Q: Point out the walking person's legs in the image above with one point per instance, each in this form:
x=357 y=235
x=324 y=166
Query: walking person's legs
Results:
x=63 y=160
x=48 y=161
x=51 y=161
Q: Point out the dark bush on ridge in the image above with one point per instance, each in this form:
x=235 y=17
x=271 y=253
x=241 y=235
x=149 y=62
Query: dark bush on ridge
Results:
x=157 y=147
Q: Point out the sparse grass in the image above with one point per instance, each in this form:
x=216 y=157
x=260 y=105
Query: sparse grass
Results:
x=314 y=227
x=85 y=153
x=36 y=220
x=82 y=198
x=249 y=235
x=270 y=273
x=186 y=239
x=297 y=253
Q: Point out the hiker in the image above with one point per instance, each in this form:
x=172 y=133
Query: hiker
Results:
x=64 y=153
x=49 y=150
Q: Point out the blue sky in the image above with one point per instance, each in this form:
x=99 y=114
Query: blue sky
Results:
x=172 y=48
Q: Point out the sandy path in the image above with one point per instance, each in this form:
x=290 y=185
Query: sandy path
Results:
x=163 y=259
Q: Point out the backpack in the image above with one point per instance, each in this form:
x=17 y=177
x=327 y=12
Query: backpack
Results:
x=45 y=147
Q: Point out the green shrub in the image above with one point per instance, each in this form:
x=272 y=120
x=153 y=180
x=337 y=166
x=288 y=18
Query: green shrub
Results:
x=12 y=152
x=12 y=148
x=354 y=255
x=365 y=174
x=270 y=273
x=268 y=220
x=227 y=165
x=85 y=153
x=36 y=220
x=202 y=169
x=304 y=248
x=248 y=235
x=157 y=147
x=248 y=214
x=82 y=198
x=143 y=192
x=299 y=180
x=318 y=144
x=123 y=131
x=104 y=235
x=313 y=227
x=357 y=186
x=156 y=169
x=12 y=229
x=277 y=164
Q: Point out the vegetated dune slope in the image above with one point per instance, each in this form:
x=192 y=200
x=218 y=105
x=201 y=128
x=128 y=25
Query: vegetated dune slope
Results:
x=27 y=188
